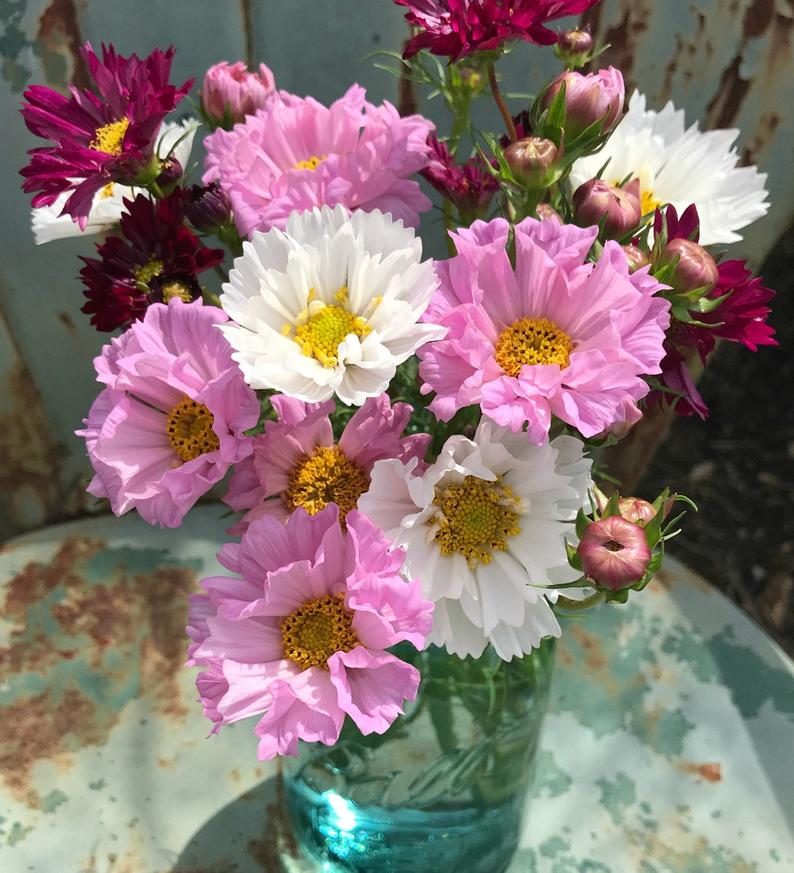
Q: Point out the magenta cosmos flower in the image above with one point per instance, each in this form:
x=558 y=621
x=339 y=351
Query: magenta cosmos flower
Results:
x=459 y=27
x=468 y=185
x=741 y=318
x=296 y=154
x=557 y=335
x=296 y=463
x=156 y=258
x=301 y=638
x=101 y=135
x=172 y=418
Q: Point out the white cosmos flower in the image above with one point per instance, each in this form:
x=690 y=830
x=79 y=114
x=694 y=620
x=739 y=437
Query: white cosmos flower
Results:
x=681 y=166
x=330 y=306
x=108 y=206
x=484 y=529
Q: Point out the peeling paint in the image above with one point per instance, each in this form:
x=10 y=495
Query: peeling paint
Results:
x=59 y=38
x=105 y=627
x=30 y=466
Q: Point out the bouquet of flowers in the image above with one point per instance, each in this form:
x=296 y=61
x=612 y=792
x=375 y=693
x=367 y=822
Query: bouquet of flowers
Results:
x=408 y=444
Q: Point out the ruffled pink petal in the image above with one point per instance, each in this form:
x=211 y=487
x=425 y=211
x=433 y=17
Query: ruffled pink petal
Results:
x=249 y=641
x=212 y=685
x=405 y=614
x=251 y=688
x=374 y=431
x=372 y=687
x=303 y=708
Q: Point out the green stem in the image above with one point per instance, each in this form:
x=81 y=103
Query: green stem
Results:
x=499 y=100
x=440 y=709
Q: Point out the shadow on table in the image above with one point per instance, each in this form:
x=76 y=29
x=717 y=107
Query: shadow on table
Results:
x=249 y=835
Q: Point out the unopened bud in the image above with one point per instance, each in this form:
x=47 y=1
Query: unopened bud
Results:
x=530 y=159
x=695 y=268
x=170 y=173
x=590 y=98
x=618 y=208
x=230 y=92
x=574 y=47
x=636 y=509
x=207 y=207
x=636 y=257
x=546 y=212
x=614 y=553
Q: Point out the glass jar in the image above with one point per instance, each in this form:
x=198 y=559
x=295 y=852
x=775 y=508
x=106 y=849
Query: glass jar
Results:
x=444 y=788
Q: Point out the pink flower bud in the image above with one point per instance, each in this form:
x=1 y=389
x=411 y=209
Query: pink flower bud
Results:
x=636 y=257
x=232 y=88
x=619 y=207
x=614 y=553
x=575 y=42
x=590 y=98
x=637 y=510
x=530 y=159
x=546 y=212
x=695 y=269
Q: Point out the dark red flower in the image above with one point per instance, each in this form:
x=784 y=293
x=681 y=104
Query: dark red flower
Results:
x=156 y=258
x=468 y=185
x=740 y=318
x=685 y=227
x=456 y=28
x=101 y=135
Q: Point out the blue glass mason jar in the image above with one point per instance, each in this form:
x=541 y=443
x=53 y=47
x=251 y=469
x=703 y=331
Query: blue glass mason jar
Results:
x=443 y=790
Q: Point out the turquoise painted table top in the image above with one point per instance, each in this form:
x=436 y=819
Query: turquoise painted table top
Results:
x=669 y=748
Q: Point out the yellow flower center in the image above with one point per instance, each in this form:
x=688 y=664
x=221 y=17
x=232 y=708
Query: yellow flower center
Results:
x=190 y=430
x=176 y=289
x=532 y=341
x=326 y=476
x=310 y=163
x=316 y=630
x=145 y=273
x=476 y=518
x=325 y=329
x=110 y=138
x=648 y=202
x=106 y=192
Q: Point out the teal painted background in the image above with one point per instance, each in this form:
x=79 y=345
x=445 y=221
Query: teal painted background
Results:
x=729 y=62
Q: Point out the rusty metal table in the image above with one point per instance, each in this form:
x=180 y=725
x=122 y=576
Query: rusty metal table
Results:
x=669 y=747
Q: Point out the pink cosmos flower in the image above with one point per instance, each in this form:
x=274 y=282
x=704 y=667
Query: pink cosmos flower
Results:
x=296 y=463
x=296 y=154
x=301 y=638
x=460 y=27
x=101 y=135
x=234 y=91
x=557 y=335
x=172 y=418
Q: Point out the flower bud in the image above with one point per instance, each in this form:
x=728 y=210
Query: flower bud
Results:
x=695 y=268
x=530 y=159
x=230 y=91
x=618 y=207
x=546 y=212
x=636 y=257
x=574 y=47
x=170 y=173
x=207 y=207
x=590 y=98
x=637 y=510
x=614 y=553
